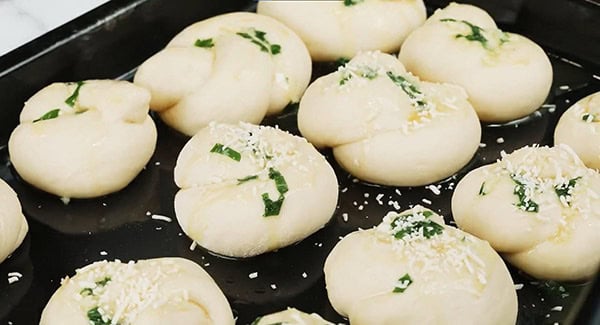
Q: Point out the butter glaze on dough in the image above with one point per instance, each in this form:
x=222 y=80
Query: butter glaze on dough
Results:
x=222 y=202
x=387 y=127
x=332 y=30
x=168 y=290
x=538 y=207
x=395 y=274
x=230 y=77
x=506 y=75
x=95 y=145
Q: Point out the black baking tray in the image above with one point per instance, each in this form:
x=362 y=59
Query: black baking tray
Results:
x=112 y=40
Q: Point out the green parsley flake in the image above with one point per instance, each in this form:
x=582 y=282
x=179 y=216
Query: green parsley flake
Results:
x=364 y=72
x=403 y=283
x=259 y=38
x=279 y=180
x=103 y=282
x=204 y=43
x=49 y=115
x=226 y=151
x=564 y=190
x=482 y=191
x=272 y=208
x=476 y=33
x=95 y=317
x=403 y=226
x=87 y=292
x=247 y=178
x=525 y=203
x=349 y=3
x=589 y=118
x=73 y=98
x=409 y=88
x=341 y=61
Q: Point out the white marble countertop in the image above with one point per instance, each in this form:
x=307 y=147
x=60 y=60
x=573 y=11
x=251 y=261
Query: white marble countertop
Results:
x=23 y=20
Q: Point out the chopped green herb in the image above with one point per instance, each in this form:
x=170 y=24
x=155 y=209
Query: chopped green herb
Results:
x=73 y=98
x=272 y=208
x=409 y=88
x=476 y=32
x=96 y=318
x=589 y=117
x=341 y=61
x=49 y=115
x=256 y=321
x=103 y=282
x=482 y=189
x=403 y=283
x=205 y=43
x=279 y=180
x=247 y=178
x=259 y=38
x=345 y=79
x=429 y=228
x=349 y=3
x=565 y=189
x=226 y=151
x=86 y=292
x=525 y=203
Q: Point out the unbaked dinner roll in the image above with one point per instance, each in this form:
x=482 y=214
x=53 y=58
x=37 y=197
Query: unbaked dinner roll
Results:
x=341 y=29
x=13 y=225
x=507 y=76
x=291 y=316
x=248 y=189
x=579 y=127
x=229 y=68
x=413 y=269
x=539 y=207
x=386 y=126
x=168 y=290
x=84 y=139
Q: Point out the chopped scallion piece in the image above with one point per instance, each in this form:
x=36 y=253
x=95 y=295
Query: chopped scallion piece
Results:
x=226 y=151
x=205 y=43
x=73 y=98
x=49 y=115
x=95 y=317
x=403 y=283
x=259 y=38
x=247 y=178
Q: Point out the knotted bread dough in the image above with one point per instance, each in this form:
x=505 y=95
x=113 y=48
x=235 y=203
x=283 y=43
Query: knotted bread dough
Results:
x=248 y=189
x=13 y=225
x=506 y=75
x=539 y=207
x=168 y=290
x=579 y=128
x=386 y=126
x=341 y=29
x=413 y=269
x=291 y=316
x=85 y=139
x=229 y=68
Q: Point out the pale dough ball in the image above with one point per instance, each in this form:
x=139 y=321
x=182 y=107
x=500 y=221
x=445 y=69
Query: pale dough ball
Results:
x=387 y=127
x=537 y=206
x=506 y=76
x=257 y=186
x=579 y=127
x=83 y=140
x=291 y=316
x=413 y=269
x=13 y=225
x=341 y=29
x=168 y=290
x=229 y=68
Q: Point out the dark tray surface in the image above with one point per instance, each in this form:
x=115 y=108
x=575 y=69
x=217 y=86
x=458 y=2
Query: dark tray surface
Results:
x=65 y=237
